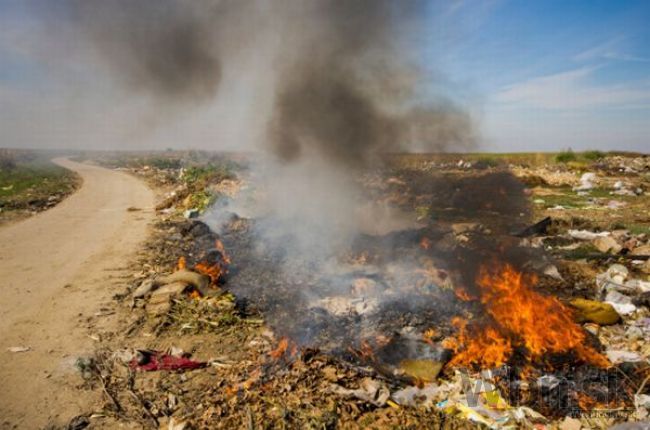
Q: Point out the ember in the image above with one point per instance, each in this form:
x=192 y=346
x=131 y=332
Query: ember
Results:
x=285 y=349
x=213 y=264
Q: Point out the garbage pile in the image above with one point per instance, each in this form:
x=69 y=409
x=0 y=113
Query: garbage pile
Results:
x=199 y=351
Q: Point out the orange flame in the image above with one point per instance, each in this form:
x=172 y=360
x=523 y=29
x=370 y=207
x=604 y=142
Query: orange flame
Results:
x=285 y=348
x=182 y=263
x=486 y=348
x=213 y=272
x=219 y=247
x=463 y=295
x=281 y=349
x=521 y=318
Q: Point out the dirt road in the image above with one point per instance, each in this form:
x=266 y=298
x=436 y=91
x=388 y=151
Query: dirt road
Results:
x=57 y=269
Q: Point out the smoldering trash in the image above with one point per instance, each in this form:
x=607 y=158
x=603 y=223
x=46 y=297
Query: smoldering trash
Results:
x=341 y=273
x=443 y=317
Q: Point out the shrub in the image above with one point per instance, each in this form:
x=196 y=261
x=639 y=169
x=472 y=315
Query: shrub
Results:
x=486 y=163
x=209 y=173
x=165 y=163
x=565 y=156
x=593 y=155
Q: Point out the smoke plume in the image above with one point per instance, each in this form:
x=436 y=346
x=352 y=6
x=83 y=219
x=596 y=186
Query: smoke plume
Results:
x=164 y=47
x=334 y=79
x=322 y=88
x=346 y=91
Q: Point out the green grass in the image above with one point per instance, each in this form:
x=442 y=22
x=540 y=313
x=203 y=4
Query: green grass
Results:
x=28 y=182
x=209 y=173
x=568 y=199
x=574 y=160
x=636 y=228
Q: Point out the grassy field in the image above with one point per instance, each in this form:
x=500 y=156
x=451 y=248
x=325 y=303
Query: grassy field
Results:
x=31 y=183
x=570 y=158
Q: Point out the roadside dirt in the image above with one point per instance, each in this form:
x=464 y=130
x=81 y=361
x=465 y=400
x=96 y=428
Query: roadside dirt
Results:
x=58 y=270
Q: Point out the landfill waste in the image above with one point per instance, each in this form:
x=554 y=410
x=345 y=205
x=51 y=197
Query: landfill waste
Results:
x=481 y=402
x=620 y=302
x=618 y=356
x=641 y=250
x=414 y=396
x=154 y=360
x=421 y=369
x=586 y=182
x=191 y=213
x=370 y=390
x=197 y=280
x=160 y=300
x=587 y=235
x=615 y=280
x=144 y=288
x=607 y=244
x=642 y=407
x=552 y=272
x=240 y=386
x=538 y=228
x=596 y=312
x=616 y=204
x=472 y=399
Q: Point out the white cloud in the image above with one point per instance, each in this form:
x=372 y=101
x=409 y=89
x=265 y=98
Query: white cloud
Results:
x=573 y=90
x=609 y=50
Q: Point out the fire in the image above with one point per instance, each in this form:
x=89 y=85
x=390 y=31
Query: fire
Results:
x=486 y=348
x=520 y=318
x=365 y=352
x=217 y=270
x=182 y=263
x=285 y=347
x=463 y=295
x=213 y=272
x=588 y=403
x=281 y=348
x=429 y=334
x=219 y=247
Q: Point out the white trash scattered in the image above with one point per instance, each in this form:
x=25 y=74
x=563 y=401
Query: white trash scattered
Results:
x=620 y=356
x=587 y=235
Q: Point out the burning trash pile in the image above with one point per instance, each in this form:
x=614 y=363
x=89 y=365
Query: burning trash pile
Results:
x=421 y=304
x=334 y=284
x=468 y=314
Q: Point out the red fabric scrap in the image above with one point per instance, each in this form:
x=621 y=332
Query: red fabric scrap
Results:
x=154 y=360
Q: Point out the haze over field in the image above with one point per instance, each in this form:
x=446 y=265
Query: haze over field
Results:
x=531 y=76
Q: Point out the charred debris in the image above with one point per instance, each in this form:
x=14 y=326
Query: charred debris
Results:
x=472 y=314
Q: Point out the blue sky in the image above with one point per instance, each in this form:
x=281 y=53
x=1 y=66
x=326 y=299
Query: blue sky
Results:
x=549 y=74
x=535 y=74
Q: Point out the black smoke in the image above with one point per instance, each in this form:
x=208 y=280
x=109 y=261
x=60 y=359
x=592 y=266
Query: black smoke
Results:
x=164 y=48
x=343 y=77
x=335 y=97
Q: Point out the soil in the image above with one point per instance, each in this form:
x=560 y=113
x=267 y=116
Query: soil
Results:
x=59 y=269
